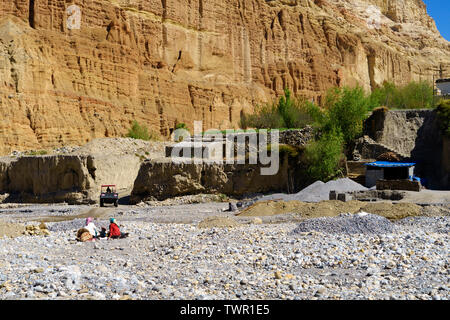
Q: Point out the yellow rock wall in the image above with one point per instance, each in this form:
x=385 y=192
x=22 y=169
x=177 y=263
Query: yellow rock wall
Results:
x=167 y=61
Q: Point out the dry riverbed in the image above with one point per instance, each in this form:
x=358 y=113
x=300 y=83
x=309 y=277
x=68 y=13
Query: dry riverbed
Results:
x=169 y=256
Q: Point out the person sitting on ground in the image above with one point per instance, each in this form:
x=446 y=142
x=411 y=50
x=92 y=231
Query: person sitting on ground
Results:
x=103 y=233
x=90 y=226
x=114 y=230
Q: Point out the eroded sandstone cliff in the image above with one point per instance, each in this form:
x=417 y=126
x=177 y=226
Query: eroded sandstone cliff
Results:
x=167 y=61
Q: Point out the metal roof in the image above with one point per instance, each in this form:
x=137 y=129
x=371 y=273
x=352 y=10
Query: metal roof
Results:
x=387 y=164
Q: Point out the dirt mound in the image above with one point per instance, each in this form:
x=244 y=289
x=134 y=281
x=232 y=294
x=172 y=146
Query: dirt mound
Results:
x=393 y=211
x=326 y=208
x=331 y=208
x=11 y=229
x=218 y=222
x=272 y=207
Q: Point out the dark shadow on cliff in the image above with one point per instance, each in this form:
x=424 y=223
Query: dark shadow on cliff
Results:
x=427 y=152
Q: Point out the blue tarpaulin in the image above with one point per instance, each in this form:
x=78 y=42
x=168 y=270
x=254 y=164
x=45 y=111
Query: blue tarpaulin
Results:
x=387 y=164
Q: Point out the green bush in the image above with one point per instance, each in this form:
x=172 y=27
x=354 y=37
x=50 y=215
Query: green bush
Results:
x=443 y=113
x=181 y=125
x=139 y=132
x=323 y=156
x=37 y=153
x=346 y=111
x=288 y=112
x=339 y=122
x=285 y=149
x=265 y=117
x=414 y=95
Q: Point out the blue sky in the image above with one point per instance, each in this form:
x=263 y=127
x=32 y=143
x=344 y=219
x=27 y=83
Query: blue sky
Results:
x=440 y=11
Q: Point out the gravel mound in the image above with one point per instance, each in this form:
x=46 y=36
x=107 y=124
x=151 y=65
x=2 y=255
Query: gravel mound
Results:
x=430 y=224
x=359 y=223
x=74 y=225
x=318 y=191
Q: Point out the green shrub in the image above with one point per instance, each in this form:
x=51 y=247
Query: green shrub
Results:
x=323 y=156
x=288 y=113
x=346 y=111
x=265 y=117
x=443 y=113
x=37 y=153
x=181 y=125
x=141 y=132
x=414 y=95
x=285 y=149
x=417 y=95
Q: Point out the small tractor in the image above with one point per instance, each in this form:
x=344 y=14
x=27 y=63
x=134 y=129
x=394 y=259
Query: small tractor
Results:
x=109 y=195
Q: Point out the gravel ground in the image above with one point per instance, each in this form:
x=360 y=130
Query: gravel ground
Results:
x=167 y=256
x=363 y=223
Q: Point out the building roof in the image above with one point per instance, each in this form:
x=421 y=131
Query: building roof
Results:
x=443 y=80
x=387 y=164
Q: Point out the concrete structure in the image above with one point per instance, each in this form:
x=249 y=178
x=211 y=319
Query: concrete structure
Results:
x=402 y=184
x=385 y=170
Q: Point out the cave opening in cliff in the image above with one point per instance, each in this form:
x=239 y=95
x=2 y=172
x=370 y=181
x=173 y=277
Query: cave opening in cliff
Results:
x=31 y=14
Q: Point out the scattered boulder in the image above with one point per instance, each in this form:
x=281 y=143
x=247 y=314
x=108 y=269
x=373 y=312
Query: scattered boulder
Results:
x=257 y=220
x=33 y=230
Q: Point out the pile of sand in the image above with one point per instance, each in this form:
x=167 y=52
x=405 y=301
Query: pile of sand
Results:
x=326 y=208
x=218 y=222
x=331 y=208
x=11 y=229
x=393 y=211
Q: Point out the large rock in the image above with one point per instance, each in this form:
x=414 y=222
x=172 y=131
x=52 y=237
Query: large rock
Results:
x=69 y=178
x=162 y=179
x=163 y=62
x=414 y=134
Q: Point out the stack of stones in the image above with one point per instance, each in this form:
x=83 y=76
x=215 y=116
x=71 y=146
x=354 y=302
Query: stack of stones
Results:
x=40 y=230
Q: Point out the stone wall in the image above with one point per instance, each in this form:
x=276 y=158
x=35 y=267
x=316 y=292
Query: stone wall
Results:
x=398 y=185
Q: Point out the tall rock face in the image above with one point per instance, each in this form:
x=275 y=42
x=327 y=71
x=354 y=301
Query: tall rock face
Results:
x=166 y=61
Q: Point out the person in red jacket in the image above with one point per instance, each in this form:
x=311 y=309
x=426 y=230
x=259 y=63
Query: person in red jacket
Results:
x=114 y=230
